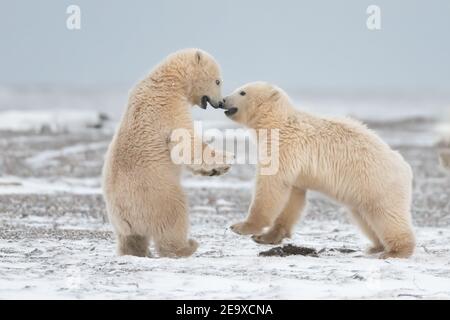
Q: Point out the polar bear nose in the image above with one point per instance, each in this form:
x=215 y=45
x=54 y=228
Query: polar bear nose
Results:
x=221 y=104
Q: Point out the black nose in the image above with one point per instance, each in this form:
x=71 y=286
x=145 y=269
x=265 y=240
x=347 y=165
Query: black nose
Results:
x=221 y=104
x=224 y=100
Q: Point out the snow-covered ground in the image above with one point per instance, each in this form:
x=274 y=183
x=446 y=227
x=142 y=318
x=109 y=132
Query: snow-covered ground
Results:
x=72 y=257
x=55 y=241
x=52 y=121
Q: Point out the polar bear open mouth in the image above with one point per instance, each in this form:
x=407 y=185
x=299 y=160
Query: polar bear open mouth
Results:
x=231 y=111
x=204 y=102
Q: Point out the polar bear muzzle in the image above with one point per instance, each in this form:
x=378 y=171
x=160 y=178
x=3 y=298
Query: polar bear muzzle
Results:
x=206 y=100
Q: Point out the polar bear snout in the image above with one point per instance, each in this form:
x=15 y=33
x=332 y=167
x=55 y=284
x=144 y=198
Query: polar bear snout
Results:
x=230 y=109
x=204 y=102
x=218 y=105
x=214 y=104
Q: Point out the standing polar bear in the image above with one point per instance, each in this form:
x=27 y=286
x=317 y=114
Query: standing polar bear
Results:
x=141 y=184
x=338 y=157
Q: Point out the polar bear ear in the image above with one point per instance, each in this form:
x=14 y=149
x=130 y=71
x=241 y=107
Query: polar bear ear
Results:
x=274 y=94
x=198 y=56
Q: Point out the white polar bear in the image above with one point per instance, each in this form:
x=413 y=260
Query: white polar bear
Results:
x=338 y=157
x=141 y=184
x=444 y=158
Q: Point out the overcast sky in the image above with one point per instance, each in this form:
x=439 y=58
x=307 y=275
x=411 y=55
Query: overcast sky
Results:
x=318 y=45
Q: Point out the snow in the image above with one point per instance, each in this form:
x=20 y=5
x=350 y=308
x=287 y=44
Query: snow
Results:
x=56 y=242
x=47 y=156
x=53 y=121
x=70 y=255
x=14 y=185
x=226 y=266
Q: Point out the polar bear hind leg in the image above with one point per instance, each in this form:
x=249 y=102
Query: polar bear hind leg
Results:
x=367 y=230
x=394 y=230
x=171 y=239
x=133 y=245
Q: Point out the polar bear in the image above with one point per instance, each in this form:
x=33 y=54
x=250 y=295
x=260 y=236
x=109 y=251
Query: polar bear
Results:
x=141 y=184
x=444 y=158
x=337 y=157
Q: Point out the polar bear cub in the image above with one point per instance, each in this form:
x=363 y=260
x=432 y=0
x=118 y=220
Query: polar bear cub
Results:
x=338 y=157
x=141 y=184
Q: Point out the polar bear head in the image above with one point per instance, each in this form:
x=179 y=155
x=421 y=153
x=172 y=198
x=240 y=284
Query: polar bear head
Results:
x=204 y=79
x=251 y=102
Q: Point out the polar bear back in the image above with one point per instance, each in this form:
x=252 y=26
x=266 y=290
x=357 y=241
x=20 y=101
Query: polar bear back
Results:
x=340 y=157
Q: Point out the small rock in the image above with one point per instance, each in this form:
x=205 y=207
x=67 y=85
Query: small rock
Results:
x=34 y=252
x=358 y=277
x=289 y=250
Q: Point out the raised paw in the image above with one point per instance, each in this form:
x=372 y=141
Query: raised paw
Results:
x=245 y=228
x=216 y=171
x=217 y=167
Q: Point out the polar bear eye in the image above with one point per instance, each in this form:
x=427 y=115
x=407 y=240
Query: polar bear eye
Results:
x=218 y=82
x=242 y=93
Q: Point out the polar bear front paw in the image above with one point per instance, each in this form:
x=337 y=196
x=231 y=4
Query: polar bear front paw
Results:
x=211 y=170
x=219 y=166
x=245 y=228
x=274 y=236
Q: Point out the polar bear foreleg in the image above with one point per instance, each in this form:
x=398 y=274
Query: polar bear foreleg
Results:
x=197 y=150
x=270 y=198
x=283 y=225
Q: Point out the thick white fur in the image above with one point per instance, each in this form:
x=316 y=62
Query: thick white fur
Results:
x=141 y=184
x=338 y=157
x=444 y=158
